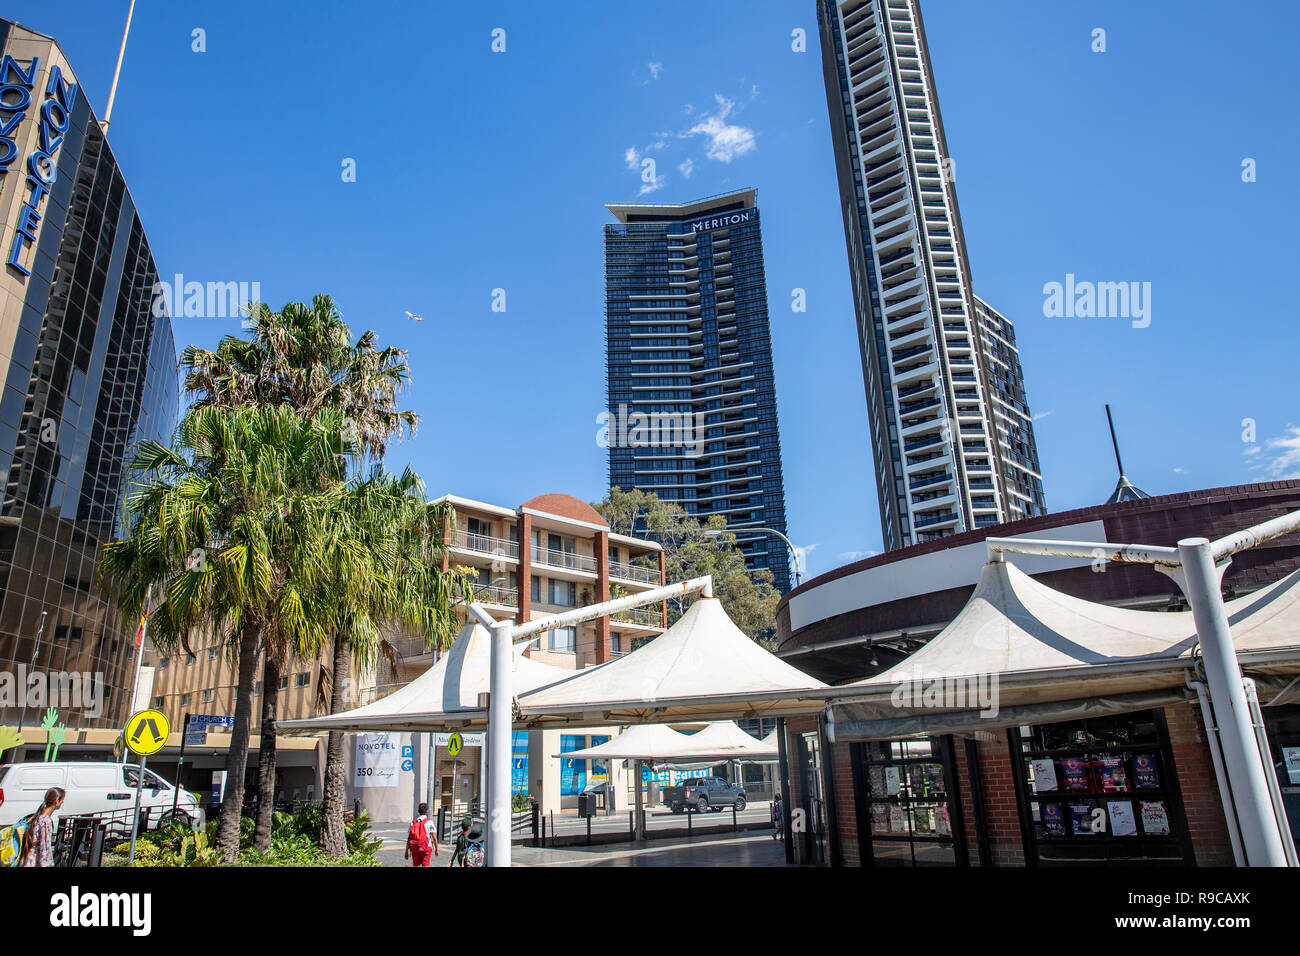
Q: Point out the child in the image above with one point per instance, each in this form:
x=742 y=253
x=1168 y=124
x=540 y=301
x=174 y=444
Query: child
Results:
x=421 y=838
x=38 y=841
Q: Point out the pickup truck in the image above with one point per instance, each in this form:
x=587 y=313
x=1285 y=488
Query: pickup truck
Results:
x=704 y=793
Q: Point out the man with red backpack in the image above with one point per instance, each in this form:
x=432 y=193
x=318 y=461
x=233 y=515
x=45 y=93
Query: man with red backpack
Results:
x=421 y=838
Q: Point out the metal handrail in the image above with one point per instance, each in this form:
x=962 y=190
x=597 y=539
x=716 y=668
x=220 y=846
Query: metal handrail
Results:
x=563 y=559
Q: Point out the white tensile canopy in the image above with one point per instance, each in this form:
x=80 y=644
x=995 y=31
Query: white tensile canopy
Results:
x=1045 y=647
x=445 y=697
x=701 y=668
x=720 y=741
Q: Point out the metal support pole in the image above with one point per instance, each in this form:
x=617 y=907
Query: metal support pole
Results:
x=135 y=815
x=499 y=731
x=1259 y=829
x=180 y=762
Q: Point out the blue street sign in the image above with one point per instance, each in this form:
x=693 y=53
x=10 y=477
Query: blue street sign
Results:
x=210 y=720
x=195 y=740
x=408 y=764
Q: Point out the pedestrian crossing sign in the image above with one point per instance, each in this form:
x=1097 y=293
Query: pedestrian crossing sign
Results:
x=146 y=732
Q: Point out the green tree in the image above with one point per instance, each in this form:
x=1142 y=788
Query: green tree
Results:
x=747 y=596
x=302 y=357
x=385 y=570
x=231 y=527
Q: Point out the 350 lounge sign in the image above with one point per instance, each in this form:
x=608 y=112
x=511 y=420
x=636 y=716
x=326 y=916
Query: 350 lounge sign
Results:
x=16 y=98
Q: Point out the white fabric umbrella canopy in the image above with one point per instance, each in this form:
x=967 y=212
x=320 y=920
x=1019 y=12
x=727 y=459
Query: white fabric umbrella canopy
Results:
x=1034 y=637
x=719 y=741
x=701 y=668
x=446 y=696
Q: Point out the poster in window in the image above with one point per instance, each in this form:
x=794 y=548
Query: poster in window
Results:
x=1291 y=756
x=880 y=818
x=1082 y=820
x=897 y=820
x=1155 y=820
x=892 y=781
x=1074 y=773
x=941 y=824
x=1053 y=819
x=1145 y=775
x=876 y=781
x=1044 y=776
x=1122 y=822
x=1111 y=775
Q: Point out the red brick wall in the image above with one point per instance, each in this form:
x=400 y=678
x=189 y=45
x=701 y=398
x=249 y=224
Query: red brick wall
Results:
x=1000 y=811
x=846 y=816
x=1200 y=787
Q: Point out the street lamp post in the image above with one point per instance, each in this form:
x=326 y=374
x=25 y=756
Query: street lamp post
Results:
x=794 y=554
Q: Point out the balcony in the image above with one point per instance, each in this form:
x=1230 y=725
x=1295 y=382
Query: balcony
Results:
x=485 y=544
x=633 y=572
x=644 y=616
x=924 y=521
x=502 y=597
x=571 y=560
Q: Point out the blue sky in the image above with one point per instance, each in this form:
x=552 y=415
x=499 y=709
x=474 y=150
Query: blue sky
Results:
x=478 y=171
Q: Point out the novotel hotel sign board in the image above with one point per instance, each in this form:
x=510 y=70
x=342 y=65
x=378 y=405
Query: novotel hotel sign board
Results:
x=17 y=89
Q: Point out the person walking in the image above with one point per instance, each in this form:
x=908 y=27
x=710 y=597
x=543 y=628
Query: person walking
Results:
x=38 y=840
x=422 y=838
x=778 y=818
x=462 y=843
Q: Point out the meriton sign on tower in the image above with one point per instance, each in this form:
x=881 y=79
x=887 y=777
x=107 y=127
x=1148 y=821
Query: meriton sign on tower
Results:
x=42 y=169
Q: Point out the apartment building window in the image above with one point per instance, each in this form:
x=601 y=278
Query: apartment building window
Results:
x=213 y=653
x=284 y=683
x=613 y=553
x=563 y=593
x=158 y=702
x=189 y=660
x=564 y=639
x=185 y=700
x=209 y=696
x=164 y=664
x=535 y=589
x=616 y=643
x=301 y=680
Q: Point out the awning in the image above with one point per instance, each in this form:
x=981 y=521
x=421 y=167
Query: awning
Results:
x=445 y=697
x=701 y=668
x=657 y=743
x=1018 y=644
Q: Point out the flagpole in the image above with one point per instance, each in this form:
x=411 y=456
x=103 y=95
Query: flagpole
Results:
x=112 y=91
x=139 y=650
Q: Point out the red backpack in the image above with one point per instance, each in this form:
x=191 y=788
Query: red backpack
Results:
x=417 y=838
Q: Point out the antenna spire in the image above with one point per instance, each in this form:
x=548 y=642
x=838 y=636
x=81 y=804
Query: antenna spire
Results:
x=1125 y=490
x=112 y=90
x=1114 y=441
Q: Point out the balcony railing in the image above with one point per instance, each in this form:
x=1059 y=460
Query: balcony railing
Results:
x=640 y=615
x=508 y=597
x=633 y=572
x=486 y=544
x=564 y=559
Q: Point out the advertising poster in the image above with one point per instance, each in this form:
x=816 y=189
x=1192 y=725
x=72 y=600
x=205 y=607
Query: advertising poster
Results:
x=377 y=757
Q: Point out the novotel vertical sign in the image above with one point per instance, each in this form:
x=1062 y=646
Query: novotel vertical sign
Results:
x=16 y=87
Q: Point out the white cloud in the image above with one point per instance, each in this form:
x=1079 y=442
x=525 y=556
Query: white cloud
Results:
x=655 y=70
x=1180 y=471
x=632 y=158
x=1281 y=455
x=856 y=555
x=686 y=168
x=1041 y=415
x=726 y=140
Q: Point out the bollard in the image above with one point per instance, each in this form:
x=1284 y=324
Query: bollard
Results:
x=631 y=824
x=690 y=815
x=734 y=827
x=536 y=815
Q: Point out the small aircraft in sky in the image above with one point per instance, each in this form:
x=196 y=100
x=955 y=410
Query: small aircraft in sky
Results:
x=411 y=316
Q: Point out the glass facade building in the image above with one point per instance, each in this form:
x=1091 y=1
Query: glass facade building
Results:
x=90 y=371
x=951 y=432
x=692 y=399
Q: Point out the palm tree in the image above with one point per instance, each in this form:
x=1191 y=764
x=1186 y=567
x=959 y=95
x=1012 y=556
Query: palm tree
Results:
x=301 y=357
x=232 y=528
x=386 y=572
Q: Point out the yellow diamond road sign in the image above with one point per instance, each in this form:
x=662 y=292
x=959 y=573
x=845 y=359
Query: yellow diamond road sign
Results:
x=454 y=743
x=146 y=732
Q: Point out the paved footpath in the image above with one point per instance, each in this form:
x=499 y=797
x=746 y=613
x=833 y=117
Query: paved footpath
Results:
x=740 y=850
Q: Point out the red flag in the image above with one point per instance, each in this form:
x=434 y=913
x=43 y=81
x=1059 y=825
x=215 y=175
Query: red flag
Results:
x=144 y=623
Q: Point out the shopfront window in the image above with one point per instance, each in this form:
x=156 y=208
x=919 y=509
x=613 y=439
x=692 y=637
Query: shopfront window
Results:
x=1101 y=790
x=911 y=817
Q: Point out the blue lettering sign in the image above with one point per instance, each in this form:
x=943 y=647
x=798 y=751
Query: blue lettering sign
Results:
x=42 y=164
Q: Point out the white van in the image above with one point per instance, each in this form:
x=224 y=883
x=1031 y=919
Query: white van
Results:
x=102 y=789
